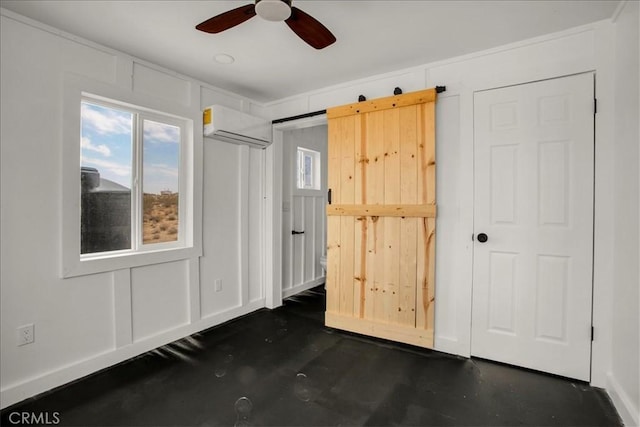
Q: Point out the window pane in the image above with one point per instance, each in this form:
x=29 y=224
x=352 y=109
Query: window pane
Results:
x=308 y=171
x=160 y=183
x=105 y=160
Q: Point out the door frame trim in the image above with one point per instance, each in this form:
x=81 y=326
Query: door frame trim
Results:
x=273 y=207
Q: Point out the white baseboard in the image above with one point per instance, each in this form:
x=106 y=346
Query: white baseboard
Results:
x=627 y=409
x=286 y=293
x=33 y=386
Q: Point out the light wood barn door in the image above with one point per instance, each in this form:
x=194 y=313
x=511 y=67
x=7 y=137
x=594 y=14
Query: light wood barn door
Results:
x=381 y=219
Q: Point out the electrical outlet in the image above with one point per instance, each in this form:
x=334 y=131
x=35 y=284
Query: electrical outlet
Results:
x=217 y=285
x=26 y=334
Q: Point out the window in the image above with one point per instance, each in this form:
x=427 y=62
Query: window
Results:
x=308 y=169
x=131 y=179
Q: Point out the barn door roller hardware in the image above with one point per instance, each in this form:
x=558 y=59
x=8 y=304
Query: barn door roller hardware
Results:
x=398 y=91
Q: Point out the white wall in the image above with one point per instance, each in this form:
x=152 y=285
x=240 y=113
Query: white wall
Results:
x=624 y=379
x=87 y=323
x=579 y=50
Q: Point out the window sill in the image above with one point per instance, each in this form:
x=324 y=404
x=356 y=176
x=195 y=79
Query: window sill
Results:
x=78 y=267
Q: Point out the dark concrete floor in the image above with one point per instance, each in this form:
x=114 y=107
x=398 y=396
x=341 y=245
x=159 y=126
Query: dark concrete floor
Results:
x=283 y=367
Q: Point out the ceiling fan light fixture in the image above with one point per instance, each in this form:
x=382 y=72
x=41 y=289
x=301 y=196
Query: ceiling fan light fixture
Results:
x=305 y=26
x=273 y=10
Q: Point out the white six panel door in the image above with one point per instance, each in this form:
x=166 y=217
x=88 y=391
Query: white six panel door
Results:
x=532 y=278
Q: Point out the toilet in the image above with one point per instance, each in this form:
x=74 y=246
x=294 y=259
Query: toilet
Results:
x=323 y=263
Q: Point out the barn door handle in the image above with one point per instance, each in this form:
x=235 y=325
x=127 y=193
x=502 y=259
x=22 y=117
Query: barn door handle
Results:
x=482 y=238
x=294 y=232
x=329 y=196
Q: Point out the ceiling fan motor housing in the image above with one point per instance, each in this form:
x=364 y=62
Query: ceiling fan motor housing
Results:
x=273 y=10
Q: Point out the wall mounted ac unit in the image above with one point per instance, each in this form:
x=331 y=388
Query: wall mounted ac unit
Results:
x=229 y=125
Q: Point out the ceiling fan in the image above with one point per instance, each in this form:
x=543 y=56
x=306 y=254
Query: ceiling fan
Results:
x=305 y=26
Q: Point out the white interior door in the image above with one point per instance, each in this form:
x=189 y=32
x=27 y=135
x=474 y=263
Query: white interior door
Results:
x=303 y=212
x=532 y=277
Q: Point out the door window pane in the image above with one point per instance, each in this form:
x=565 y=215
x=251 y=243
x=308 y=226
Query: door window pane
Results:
x=308 y=169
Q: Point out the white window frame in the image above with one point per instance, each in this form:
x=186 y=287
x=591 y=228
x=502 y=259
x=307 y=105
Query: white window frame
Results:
x=315 y=156
x=188 y=244
x=137 y=180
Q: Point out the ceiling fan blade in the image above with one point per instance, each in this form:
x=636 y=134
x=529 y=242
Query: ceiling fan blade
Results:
x=309 y=29
x=227 y=20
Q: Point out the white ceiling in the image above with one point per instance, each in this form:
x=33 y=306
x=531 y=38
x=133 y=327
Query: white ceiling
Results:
x=271 y=62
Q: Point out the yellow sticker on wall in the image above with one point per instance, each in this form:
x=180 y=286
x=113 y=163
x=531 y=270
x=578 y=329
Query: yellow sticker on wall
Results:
x=207 y=116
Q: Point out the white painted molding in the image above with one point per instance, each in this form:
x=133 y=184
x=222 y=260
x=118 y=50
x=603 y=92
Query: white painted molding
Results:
x=445 y=62
x=273 y=223
x=627 y=409
x=85 y=42
x=193 y=280
x=618 y=11
x=273 y=198
x=243 y=247
x=38 y=384
x=74 y=87
x=122 y=313
x=603 y=213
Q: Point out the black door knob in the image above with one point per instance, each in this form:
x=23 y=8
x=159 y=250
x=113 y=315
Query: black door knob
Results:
x=482 y=237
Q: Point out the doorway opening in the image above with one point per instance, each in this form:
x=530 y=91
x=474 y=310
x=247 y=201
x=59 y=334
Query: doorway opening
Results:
x=304 y=219
x=295 y=223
